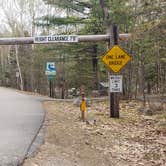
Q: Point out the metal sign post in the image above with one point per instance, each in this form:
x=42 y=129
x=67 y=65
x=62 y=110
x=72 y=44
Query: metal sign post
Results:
x=51 y=85
x=50 y=88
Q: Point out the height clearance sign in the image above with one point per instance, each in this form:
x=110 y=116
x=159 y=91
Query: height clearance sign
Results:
x=116 y=58
x=56 y=39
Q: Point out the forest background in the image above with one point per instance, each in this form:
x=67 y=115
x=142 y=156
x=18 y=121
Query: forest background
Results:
x=23 y=66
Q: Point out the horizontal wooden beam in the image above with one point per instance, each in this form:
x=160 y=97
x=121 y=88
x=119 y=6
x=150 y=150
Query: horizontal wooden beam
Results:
x=97 y=38
x=81 y=38
x=16 y=41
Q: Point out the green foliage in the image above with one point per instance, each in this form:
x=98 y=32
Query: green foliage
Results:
x=150 y=75
x=53 y=20
x=80 y=63
x=70 y=5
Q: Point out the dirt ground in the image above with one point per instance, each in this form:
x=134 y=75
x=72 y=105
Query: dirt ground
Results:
x=132 y=140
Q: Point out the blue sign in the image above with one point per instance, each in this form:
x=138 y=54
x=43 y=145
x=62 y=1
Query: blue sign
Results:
x=50 y=68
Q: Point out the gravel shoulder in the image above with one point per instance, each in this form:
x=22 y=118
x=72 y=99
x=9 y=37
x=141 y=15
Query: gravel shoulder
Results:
x=132 y=140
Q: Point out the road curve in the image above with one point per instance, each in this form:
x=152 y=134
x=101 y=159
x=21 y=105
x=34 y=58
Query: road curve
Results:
x=21 y=117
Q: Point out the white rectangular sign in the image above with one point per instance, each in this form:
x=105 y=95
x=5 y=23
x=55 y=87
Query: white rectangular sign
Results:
x=56 y=39
x=50 y=73
x=116 y=83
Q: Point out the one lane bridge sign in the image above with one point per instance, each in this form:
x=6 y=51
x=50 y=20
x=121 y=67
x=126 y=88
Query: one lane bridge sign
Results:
x=116 y=58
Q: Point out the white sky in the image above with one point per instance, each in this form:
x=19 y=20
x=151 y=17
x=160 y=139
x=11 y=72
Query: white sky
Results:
x=12 y=10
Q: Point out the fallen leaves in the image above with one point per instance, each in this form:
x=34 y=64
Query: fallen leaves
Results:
x=133 y=139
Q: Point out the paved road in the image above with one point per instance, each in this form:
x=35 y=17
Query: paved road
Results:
x=21 y=117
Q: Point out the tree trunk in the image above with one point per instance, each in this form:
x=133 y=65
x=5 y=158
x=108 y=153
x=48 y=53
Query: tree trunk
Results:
x=19 y=69
x=95 y=67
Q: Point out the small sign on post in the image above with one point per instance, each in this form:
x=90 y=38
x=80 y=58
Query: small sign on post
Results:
x=50 y=69
x=116 y=83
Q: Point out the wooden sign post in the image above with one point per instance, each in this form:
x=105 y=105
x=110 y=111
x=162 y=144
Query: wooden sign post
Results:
x=50 y=73
x=83 y=103
x=114 y=97
x=115 y=59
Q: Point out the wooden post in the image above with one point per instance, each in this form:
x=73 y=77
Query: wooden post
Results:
x=82 y=109
x=83 y=104
x=50 y=88
x=114 y=97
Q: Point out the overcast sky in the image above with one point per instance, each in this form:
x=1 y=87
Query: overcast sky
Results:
x=13 y=10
